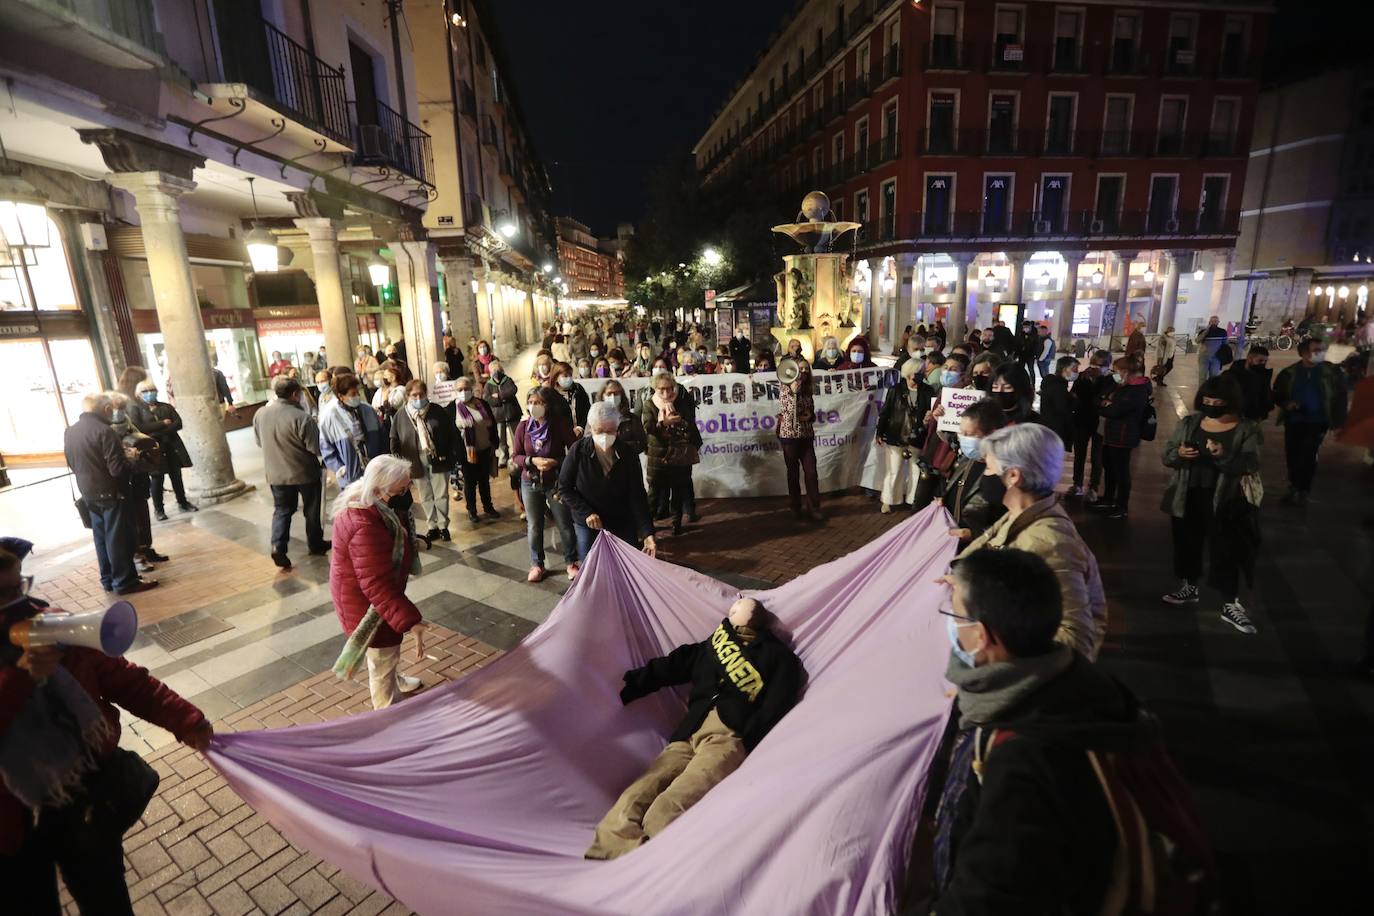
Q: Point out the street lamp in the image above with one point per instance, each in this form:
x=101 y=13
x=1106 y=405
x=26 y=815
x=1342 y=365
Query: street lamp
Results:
x=1149 y=275
x=711 y=257
x=379 y=271
x=1098 y=276
x=558 y=279
x=261 y=243
x=548 y=267
x=509 y=229
x=1343 y=291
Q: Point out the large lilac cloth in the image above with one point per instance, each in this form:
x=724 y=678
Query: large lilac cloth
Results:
x=480 y=796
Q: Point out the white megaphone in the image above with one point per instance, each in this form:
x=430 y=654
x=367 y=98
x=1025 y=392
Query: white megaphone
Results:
x=112 y=630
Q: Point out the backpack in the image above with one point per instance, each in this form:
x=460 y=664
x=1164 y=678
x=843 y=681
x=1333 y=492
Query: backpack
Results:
x=1225 y=355
x=1164 y=864
x=1149 y=423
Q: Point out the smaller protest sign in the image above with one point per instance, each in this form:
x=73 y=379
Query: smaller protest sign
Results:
x=443 y=393
x=954 y=401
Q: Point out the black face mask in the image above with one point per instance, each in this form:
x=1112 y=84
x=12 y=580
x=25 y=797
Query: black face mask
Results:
x=982 y=382
x=1214 y=411
x=1008 y=399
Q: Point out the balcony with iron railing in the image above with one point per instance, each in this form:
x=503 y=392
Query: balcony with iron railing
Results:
x=1013 y=225
x=385 y=139
x=283 y=75
x=118 y=33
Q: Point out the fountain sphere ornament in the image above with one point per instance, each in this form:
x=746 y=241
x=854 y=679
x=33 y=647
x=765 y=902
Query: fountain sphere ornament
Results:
x=815 y=206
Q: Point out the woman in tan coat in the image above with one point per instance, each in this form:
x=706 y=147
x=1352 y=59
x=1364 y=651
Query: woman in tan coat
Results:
x=1028 y=458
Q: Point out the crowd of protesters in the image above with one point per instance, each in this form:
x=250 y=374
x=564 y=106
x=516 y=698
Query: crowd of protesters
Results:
x=1036 y=724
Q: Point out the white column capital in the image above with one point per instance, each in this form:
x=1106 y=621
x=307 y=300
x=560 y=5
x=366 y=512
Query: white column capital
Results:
x=319 y=229
x=1175 y=255
x=1017 y=257
x=1074 y=257
x=964 y=258
x=1126 y=257
x=155 y=193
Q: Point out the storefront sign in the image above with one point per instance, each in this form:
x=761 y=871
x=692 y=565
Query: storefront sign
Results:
x=955 y=400
x=710 y=298
x=737 y=416
x=18 y=330
x=289 y=326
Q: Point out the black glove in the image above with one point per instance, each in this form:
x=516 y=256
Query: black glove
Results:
x=632 y=690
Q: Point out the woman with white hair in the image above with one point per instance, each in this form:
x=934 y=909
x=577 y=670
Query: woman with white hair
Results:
x=601 y=484
x=373 y=555
x=829 y=355
x=1028 y=458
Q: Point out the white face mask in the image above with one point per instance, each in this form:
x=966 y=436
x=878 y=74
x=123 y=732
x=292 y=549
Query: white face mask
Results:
x=464 y=396
x=604 y=441
x=537 y=411
x=565 y=382
x=613 y=400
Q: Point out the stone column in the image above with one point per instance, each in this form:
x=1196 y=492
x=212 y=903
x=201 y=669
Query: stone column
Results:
x=462 y=304
x=337 y=315
x=532 y=333
x=1168 y=300
x=908 y=282
x=956 y=328
x=485 y=327
x=155 y=194
x=1123 y=292
x=421 y=322
x=1064 y=326
x=868 y=323
x=1016 y=277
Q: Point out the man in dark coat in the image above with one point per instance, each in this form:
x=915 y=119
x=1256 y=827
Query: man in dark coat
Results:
x=102 y=467
x=740 y=350
x=1256 y=381
x=1024 y=824
x=1056 y=404
x=744 y=680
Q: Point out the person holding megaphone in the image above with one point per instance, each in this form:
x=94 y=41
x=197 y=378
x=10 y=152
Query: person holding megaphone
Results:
x=68 y=792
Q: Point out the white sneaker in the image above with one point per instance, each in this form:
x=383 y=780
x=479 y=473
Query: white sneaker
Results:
x=885 y=509
x=409 y=684
x=1235 y=615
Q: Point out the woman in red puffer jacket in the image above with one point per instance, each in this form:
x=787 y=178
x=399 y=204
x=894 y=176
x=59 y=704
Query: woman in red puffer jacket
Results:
x=371 y=559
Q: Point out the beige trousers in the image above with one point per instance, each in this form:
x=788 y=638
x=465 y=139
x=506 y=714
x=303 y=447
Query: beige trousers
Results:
x=382 y=676
x=432 y=487
x=674 y=782
x=899 y=477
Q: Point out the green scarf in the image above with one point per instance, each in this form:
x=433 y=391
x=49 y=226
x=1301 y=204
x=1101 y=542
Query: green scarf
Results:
x=988 y=691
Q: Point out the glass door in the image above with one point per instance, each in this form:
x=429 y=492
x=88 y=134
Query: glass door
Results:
x=31 y=415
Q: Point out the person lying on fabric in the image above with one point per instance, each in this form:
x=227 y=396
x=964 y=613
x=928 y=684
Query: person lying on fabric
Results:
x=744 y=679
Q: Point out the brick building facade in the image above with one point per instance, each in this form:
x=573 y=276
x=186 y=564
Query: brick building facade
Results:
x=1032 y=142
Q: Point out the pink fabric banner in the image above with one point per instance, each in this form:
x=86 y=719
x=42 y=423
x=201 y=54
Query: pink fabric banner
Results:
x=480 y=796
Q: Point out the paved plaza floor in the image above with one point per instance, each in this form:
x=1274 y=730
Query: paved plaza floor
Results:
x=1270 y=730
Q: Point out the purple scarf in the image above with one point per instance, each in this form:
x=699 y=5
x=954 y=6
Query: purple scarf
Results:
x=466 y=415
x=537 y=432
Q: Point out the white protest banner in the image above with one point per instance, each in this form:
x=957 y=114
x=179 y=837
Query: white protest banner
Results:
x=443 y=393
x=737 y=417
x=954 y=401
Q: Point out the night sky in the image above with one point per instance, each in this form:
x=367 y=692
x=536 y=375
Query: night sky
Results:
x=611 y=88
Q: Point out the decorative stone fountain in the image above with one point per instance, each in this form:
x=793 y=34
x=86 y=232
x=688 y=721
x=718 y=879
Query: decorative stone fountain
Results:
x=815 y=300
